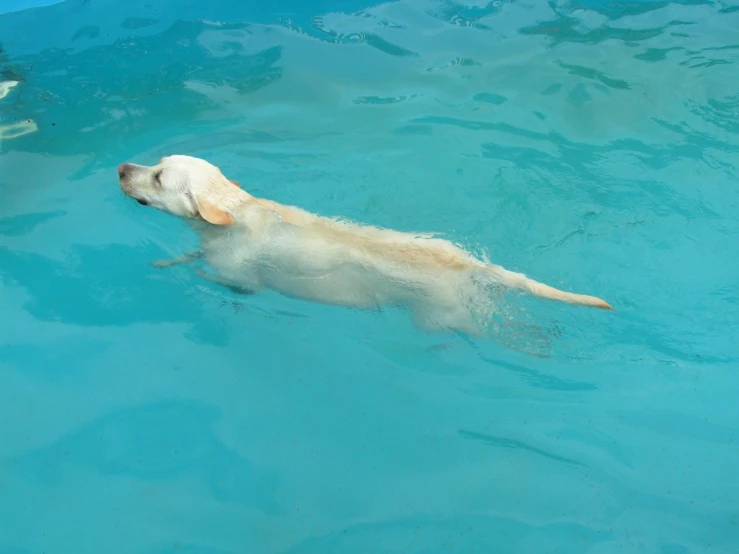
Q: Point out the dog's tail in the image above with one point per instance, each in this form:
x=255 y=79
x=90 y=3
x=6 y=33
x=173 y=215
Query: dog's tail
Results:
x=520 y=281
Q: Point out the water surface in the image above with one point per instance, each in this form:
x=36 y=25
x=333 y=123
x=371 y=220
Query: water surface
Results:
x=590 y=145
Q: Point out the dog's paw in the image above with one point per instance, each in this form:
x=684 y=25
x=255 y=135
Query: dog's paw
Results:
x=160 y=264
x=184 y=259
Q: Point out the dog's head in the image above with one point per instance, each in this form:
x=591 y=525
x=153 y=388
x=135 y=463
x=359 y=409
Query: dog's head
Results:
x=183 y=186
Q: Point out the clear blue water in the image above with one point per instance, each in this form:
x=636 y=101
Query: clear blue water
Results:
x=591 y=145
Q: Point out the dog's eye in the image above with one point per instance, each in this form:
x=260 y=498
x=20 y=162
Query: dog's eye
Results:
x=158 y=177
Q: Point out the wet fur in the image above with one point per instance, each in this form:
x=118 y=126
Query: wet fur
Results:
x=254 y=244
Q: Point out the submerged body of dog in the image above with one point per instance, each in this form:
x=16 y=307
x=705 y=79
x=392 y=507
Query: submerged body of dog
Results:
x=257 y=244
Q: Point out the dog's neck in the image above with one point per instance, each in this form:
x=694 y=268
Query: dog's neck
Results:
x=231 y=197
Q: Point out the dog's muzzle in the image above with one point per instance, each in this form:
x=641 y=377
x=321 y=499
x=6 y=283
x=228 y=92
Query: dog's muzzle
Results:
x=124 y=171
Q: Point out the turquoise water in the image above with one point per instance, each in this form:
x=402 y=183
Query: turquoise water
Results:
x=591 y=145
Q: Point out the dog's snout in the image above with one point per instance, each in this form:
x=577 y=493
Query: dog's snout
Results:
x=122 y=170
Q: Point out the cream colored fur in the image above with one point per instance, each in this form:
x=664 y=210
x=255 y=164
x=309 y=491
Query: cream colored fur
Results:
x=6 y=87
x=256 y=244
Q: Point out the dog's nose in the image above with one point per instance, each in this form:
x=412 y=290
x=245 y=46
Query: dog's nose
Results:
x=122 y=170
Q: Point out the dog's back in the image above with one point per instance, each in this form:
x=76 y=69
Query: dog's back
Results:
x=335 y=262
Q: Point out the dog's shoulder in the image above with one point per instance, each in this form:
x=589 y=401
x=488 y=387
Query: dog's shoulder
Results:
x=288 y=214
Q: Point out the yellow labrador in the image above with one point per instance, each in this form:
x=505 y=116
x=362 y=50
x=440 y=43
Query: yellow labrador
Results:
x=256 y=244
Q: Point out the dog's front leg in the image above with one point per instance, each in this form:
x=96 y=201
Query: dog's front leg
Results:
x=186 y=258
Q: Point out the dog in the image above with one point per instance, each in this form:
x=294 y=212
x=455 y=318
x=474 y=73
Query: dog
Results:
x=255 y=244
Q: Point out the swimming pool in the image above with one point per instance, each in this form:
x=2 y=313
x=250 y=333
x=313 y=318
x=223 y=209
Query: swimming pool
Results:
x=590 y=145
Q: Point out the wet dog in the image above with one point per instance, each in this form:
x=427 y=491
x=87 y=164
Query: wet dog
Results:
x=255 y=244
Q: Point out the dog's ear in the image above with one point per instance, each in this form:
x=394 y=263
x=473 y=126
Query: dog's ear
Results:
x=235 y=183
x=213 y=214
